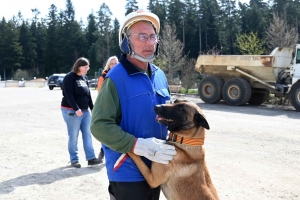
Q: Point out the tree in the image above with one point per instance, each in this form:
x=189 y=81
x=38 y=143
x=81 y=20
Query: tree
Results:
x=39 y=30
x=52 y=57
x=279 y=34
x=250 y=44
x=72 y=41
x=104 y=26
x=189 y=75
x=159 y=7
x=91 y=35
x=35 y=32
x=10 y=48
x=170 y=58
x=176 y=16
x=130 y=6
x=207 y=21
x=91 y=30
x=115 y=49
x=28 y=44
x=190 y=35
x=228 y=25
x=254 y=17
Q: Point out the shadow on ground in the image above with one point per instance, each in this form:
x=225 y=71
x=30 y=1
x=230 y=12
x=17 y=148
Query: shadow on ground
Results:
x=46 y=177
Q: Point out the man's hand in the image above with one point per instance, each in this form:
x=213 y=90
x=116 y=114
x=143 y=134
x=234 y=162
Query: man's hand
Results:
x=155 y=150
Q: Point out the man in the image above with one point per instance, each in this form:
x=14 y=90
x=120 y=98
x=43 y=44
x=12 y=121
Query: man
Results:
x=123 y=118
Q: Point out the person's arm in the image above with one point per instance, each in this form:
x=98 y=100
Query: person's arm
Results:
x=100 y=81
x=90 y=100
x=106 y=117
x=91 y=105
x=69 y=91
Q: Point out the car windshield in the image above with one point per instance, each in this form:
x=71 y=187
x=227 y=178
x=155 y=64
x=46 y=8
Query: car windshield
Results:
x=54 y=77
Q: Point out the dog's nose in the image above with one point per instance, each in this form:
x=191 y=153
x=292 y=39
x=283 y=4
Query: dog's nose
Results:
x=157 y=108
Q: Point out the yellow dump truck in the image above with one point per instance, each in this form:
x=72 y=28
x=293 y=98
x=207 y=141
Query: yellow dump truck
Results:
x=242 y=79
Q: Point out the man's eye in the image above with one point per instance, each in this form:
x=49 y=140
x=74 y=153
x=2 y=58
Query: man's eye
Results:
x=143 y=37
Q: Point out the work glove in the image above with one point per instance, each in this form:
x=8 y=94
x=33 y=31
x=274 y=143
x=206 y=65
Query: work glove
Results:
x=155 y=150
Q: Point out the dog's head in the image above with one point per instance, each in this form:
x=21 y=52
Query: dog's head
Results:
x=181 y=115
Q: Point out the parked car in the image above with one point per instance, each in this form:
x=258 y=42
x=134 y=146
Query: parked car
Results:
x=93 y=82
x=55 y=80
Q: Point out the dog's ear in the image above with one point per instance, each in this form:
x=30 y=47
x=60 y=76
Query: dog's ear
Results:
x=180 y=101
x=200 y=120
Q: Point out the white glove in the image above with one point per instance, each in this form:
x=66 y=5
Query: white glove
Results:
x=155 y=150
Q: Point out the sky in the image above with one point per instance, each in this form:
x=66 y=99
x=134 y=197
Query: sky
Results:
x=83 y=8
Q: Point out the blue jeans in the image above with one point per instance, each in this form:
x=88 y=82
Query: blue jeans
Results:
x=74 y=124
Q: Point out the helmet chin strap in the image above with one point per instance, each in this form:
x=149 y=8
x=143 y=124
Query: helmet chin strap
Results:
x=139 y=57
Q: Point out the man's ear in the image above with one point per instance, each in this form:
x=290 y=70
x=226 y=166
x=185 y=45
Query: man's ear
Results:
x=200 y=120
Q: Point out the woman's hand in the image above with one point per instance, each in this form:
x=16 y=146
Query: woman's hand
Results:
x=79 y=113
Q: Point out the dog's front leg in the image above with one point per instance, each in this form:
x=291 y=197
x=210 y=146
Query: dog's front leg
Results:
x=147 y=173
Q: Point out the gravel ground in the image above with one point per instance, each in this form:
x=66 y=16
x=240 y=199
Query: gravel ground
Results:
x=252 y=152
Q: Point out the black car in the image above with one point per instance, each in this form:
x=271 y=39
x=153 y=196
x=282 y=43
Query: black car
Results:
x=55 y=80
x=93 y=82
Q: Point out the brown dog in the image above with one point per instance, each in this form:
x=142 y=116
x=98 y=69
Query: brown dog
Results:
x=186 y=177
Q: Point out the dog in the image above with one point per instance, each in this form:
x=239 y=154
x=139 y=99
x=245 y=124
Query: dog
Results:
x=186 y=177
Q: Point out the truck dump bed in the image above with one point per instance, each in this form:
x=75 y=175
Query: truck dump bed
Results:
x=264 y=67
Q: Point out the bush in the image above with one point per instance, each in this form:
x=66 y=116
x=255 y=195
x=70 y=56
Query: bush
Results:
x=19 y=74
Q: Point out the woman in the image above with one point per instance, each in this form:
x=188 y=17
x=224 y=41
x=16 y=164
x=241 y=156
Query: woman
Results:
x=74 y=107
x=111 y=62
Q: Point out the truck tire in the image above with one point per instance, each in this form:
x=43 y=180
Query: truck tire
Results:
x=295 y=96
x=210 y=89
x=259 y=96
x=51 y=87
x=236 y=92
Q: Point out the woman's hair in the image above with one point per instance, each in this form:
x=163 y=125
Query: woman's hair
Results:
x=108 y=62
x=80 y=62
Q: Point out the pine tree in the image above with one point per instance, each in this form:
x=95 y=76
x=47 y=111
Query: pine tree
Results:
x=28 y=44
x=10 y=49
x=228 y=25
x=52 y=56
x=130 y=6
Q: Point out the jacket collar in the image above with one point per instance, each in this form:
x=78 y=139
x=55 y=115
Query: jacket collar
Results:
x=131 y=69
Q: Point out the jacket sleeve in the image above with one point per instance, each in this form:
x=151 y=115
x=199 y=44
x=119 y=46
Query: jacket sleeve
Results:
x=68 y=91
x=100 y=81
x=106 y=117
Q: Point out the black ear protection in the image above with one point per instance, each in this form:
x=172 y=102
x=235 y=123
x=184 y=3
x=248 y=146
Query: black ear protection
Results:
x=126 y=46
x=156 y=50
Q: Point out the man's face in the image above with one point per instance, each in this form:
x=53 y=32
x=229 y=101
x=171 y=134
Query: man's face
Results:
x=147 y=48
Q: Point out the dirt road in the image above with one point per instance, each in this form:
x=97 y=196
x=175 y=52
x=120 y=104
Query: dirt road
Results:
x=251 y=152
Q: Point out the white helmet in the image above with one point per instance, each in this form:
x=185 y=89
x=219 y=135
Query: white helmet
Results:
x=130 y=19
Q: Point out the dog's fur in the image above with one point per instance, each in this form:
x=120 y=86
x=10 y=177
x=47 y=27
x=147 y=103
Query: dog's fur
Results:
x=186 y=177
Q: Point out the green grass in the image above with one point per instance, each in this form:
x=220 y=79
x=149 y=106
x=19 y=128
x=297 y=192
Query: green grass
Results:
x=190 y=91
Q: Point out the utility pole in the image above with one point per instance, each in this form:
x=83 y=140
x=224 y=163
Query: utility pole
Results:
x=183 y=35
x=200 y=38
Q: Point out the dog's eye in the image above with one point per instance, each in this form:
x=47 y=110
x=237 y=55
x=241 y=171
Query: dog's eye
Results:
x=180 y=108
